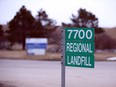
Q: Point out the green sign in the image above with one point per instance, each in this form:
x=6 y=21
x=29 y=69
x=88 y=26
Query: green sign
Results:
x=79 y=47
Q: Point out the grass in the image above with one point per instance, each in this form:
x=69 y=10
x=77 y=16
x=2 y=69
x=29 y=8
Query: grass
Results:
x=23 y=55
x=100 y=56
x=111 y=32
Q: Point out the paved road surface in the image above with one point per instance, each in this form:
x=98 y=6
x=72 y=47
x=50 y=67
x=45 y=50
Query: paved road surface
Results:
x=23 y=73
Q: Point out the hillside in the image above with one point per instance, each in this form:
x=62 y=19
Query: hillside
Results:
x=111 y=32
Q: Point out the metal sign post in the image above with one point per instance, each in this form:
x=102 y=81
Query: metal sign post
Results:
x=63 y=74
x=63 y=60
x=77 y=50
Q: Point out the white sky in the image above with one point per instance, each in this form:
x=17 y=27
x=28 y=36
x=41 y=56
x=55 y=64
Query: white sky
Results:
x=61 y=10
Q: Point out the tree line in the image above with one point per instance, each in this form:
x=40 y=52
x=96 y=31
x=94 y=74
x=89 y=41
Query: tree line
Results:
x=24 y=25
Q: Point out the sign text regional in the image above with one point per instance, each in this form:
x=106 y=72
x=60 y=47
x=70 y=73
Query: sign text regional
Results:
x=80 y=47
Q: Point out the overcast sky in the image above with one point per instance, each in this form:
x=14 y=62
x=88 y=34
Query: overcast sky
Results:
x=61 y=10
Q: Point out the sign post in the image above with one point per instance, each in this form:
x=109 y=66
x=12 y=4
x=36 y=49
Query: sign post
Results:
x=63 y=60
x=78 y=49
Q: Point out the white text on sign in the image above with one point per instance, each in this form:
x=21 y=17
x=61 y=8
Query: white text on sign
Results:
x=79 y=47
x=80 y=34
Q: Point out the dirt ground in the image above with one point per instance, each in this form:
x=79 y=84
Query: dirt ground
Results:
x=99 y=56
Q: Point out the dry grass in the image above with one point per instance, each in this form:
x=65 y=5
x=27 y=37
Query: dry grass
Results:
x=111 y=32
x=23 y=55
x=101 y=56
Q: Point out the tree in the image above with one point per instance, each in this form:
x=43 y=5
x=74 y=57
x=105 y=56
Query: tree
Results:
x=103 y=41
x=85 y=19
x=1 y=35
x=1 y=31
x=49 y=25
x=21 y=26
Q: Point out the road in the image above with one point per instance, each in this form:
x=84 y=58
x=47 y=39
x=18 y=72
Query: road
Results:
x=28 y=73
